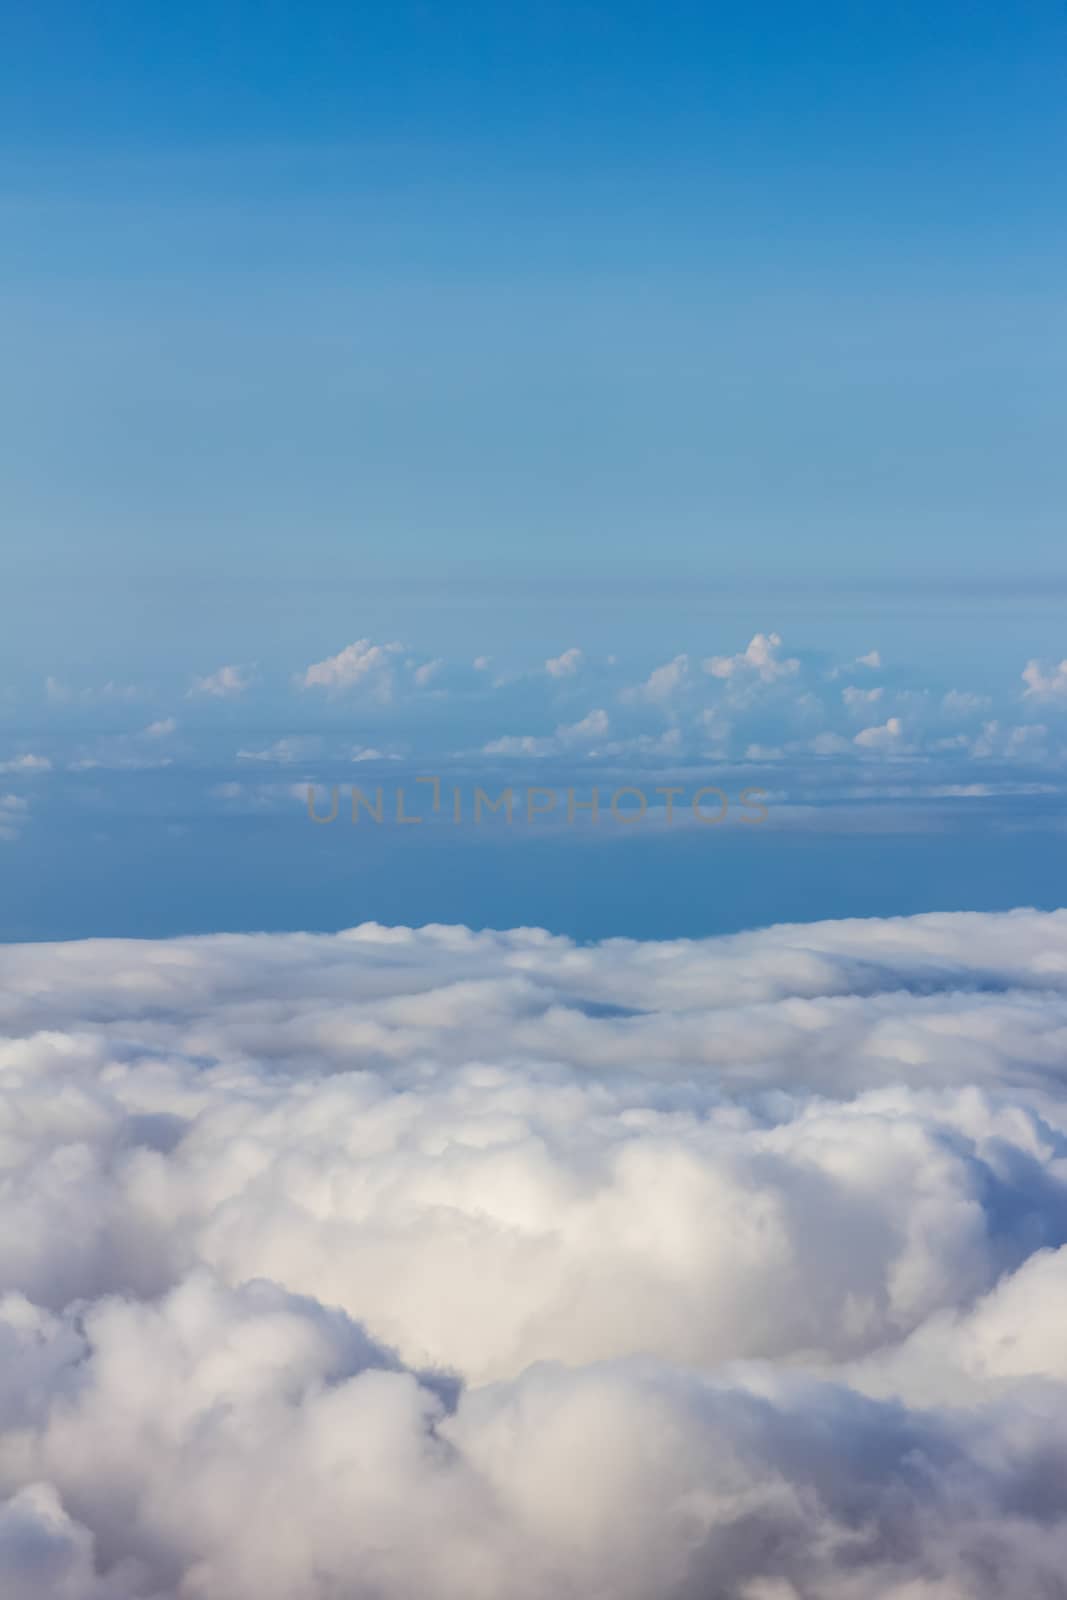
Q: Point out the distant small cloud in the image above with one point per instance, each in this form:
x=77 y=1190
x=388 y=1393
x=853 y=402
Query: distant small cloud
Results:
x=593 y=726
x=224 y=684
x=1045 y=685
x=855 y=698
x=162 y=729
x=482 y=663
x=1027 y=742
x=568 y=736
x=258 y=797
x=117 y=762
x=644 y=746
x=427 y=672
x=886 y=737
x=661 y=684
x=872 y=660
x=369 y=753
x=26 y=764
x=565 y=665
x=519 y=744
x=283 y=751
x=829 y=744
x=13 y=809
x=60 y=693
x=958 y=703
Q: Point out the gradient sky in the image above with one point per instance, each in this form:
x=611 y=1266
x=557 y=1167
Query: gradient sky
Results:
x=507 y=330
x=305 y=307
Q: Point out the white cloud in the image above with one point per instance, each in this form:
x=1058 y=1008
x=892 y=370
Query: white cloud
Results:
x=1045 y=685
x=1025 y=742
x=887 y=736
x=520 y=744
x=482 y=663
x=961 y=703
x=465 y=1264
x=26 y=764
x=284 y=751
x=114 y=761
x=13 y=809
x=61 y=693
x=592 y=727
x=661 y=685
x=359 y=665
x=645 y=747
x=759 y=658
x=260 y=798
x=828 y=744
x=427 y=672
x=161 y=729
x=858 y=698
x=224 y=684
x=565 y=665
x=872 y=660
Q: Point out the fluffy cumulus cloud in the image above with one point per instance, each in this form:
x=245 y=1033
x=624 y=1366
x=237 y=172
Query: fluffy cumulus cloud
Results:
x=886 y=736
x=361 y=665
x=1045 y=683
x=827 y=727
x=581 y=737
x=565 y=665
x=759 y=658
x=430 y=1262
x=225 y=684
x=661 y=685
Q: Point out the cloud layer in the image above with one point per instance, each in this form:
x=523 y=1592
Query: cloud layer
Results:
x=468 y=1264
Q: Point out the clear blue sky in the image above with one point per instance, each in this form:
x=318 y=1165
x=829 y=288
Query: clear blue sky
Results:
x=312 y=300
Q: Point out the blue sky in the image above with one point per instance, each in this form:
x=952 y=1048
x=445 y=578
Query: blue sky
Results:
x=505 y=330
x=542 y=288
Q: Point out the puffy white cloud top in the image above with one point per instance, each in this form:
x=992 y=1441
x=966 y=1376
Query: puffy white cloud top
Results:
x=443 y=1264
